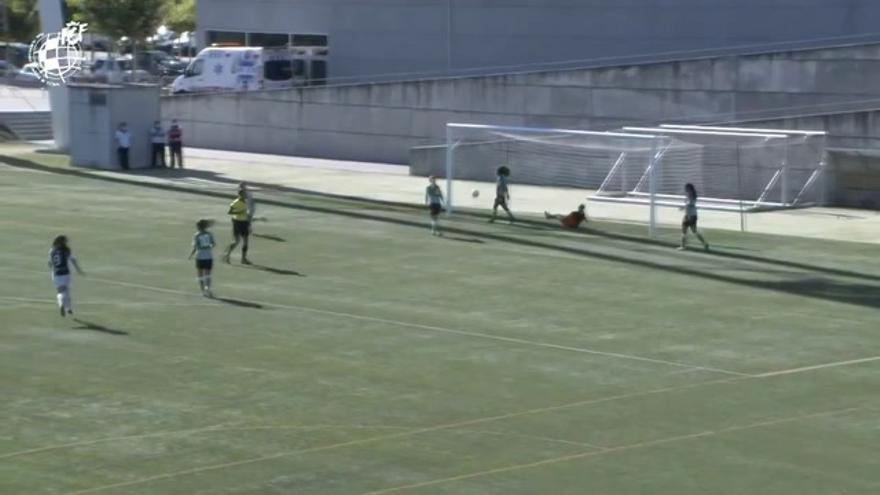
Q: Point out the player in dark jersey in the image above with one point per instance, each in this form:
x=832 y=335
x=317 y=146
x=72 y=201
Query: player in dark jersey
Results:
x=434 y=199
x=502 y=194
x=60 y=259
x=571 y=221
x=203 y=249
x=690 y=217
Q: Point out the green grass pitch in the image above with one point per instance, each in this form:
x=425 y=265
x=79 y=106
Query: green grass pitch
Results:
x=364 y=356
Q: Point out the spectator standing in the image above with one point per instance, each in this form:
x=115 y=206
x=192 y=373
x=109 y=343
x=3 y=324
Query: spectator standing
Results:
x=123 y=143
x=157 y=138
x=175 y=143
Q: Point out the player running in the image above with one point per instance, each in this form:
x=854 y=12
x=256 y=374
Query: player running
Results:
x=690 y=217
x=203 y=249
x=571 y=221
x=60 y=259
x=434 y=200
x=502 y=194
x=241 y=227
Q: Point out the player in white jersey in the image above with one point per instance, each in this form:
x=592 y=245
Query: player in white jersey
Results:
x=60 y=259
x=690 y=217
x=203 y=249
x=434 y=200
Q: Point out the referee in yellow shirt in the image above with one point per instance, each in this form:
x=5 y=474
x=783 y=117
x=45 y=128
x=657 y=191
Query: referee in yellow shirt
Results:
x=241 y=227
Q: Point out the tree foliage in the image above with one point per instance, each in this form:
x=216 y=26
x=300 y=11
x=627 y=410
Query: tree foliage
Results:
x=136 y=19
x=22 y=20
x=181 y=15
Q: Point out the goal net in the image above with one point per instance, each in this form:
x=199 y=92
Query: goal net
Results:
x=733 y=169
x=538 y=156
x=736 y=169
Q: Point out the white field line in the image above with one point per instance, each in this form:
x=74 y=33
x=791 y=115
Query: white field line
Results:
x=404 y=434
x=802 y=369
x=687 y=367
x=512 y=340
x=611 y=450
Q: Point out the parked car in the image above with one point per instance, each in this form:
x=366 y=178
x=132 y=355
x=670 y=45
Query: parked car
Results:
x=159 y=63
x=28 y=74
x=116 y=70
x=7 y=69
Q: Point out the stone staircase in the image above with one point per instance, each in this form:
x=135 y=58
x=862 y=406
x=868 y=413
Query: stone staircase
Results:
x=28 y=126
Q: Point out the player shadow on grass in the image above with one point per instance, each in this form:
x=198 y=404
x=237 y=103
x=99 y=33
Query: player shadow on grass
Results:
x=87 y=325
x=845 y=292
x=239 y=303
x=269 y=237
x=472 y=240
x=271 y=269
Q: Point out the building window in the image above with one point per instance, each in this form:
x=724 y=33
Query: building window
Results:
x=267 y=39
x=226 y=38
x=308 y=40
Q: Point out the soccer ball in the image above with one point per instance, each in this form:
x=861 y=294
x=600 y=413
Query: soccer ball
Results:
x=475 y=193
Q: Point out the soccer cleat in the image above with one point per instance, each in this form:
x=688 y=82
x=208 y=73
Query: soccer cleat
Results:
x=207 y=293
x=63 y=313
x=491 y=220
x=706 y=247
x=245 y=261
x=226 y=259
x=680 y=248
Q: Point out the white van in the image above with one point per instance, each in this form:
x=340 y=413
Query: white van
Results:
x=237 y=69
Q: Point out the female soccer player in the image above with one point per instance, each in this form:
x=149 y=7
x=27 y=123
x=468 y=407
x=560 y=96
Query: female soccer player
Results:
x=502 y=194
x=690 y=217
x=60 y=259
x=241 y=227
x=571 y=221
x=203 y=249
x=434 y=200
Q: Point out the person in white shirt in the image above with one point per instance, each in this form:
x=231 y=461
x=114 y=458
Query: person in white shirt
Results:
x=157 y=138
x=123 y=143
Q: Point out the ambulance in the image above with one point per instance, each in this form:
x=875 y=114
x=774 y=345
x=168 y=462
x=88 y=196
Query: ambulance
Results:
x=237 y=69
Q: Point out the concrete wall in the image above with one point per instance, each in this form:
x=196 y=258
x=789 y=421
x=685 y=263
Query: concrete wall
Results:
x=381 y=121
x=370 y=38
x=95 y=113
x=854 y=178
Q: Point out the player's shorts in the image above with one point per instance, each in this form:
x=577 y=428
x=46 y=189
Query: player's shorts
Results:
x=689 y=223
x=205 y=264
x=436 y=208
x=500 y=201
x=241 y=228
x=61 y=280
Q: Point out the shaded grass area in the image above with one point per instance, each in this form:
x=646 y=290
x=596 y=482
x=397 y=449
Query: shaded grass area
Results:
x=363 y=355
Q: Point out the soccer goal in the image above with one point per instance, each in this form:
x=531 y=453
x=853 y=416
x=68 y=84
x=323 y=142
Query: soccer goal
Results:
x=735 y=169
x=548 y=157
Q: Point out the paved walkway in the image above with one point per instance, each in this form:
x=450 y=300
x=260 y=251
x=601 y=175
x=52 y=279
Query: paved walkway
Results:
x=393 y=183
x=16 y=99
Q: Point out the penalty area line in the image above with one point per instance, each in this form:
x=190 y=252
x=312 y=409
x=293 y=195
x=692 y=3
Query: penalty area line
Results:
x=802 y=369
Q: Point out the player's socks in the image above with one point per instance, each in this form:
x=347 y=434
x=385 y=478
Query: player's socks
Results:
x=65 y=297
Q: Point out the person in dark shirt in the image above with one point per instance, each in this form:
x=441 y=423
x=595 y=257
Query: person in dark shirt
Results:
x=60 y=259
x=571 y=221
x=175 y=144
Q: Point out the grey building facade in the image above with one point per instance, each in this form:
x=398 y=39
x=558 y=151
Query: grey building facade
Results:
x=401 y=39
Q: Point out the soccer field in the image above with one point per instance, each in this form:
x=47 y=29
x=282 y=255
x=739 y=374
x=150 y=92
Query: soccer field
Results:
x=361 y=355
